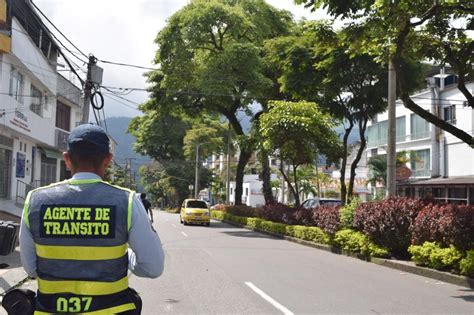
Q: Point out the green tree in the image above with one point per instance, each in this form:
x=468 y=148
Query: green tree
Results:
x=208 y=133
x=317 y=65
x=296 y=132
x=402 y=31
x=210 y=58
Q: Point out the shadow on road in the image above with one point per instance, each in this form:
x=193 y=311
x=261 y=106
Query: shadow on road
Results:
x=465 y=295
x=249 y=234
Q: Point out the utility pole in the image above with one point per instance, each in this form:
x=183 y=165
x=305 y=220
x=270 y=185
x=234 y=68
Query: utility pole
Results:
x=227 y=193
x=88 y=89
x=391 y=139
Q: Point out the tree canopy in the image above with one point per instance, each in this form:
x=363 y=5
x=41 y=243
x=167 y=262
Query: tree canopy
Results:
x=210 y=59
x=296 y=132
x=406 y=30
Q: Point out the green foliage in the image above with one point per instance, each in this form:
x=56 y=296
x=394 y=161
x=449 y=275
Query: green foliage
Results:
x=432 y=255
x=347 y=212
x=405 y=31
x=208 y=133
x=313 y=234
x=466 y=265
x=210 y=57
x=357 y=242
x=296 y=132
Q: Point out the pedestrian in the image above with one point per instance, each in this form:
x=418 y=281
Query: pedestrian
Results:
x=147 y=205
x=75 y=234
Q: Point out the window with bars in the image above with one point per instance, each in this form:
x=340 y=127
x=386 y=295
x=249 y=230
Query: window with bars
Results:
x=16 y=85
x=63 y=116
x=36 y=105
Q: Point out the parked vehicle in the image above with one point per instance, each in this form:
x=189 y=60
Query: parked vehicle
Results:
x=316 y=202
x=194 y=211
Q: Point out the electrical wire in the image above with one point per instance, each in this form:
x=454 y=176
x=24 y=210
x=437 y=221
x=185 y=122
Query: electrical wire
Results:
x=120 y=102
x=54 y=26
x=126 y=65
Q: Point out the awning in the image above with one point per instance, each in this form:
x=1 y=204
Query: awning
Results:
x=458 y=180
x=51 y=154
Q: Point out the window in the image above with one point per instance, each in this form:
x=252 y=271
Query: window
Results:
x=48 y=170
x=377 y=134
x=196 y=204
x=420 y=128
x=401 y=129
x=420 y=163
x=450 y=114
x=16 y=85
x=63 y=117
x=36 y=105
x=246 y=191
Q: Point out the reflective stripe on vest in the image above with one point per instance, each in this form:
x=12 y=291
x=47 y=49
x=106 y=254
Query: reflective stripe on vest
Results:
x=80 y=229
x=82 y=287
x=108 y=311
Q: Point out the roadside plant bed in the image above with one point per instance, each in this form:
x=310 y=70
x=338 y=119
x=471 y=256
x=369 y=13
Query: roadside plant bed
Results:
x=347 y=241
x=435 y=236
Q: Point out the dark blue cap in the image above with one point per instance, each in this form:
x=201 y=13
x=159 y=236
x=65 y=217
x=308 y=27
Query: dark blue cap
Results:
x=88 y=138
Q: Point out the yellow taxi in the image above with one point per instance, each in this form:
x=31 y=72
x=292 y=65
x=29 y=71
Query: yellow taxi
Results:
x=195 y=211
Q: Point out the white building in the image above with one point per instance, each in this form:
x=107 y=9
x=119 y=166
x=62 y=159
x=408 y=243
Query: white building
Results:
x=252 y=194
x=433 y=153
x=38 y=107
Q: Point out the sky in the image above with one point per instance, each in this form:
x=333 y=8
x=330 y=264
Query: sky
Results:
x=124 y=31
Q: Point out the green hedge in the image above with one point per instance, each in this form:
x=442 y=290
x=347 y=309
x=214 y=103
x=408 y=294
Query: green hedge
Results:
x=467 y=264
x=308 y=233
x=357 y=242
x=432 y=255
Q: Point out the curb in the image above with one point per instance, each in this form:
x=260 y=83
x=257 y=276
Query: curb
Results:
x=402 y=266
x=11 y=279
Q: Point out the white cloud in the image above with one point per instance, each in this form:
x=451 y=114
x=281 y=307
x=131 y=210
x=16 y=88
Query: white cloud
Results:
x=124 y=31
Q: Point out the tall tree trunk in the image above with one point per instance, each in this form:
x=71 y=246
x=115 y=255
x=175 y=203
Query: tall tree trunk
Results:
x=244 y=158
x=362 y=127
x=297 y=196
x=266 y=174
x=288 y=181
x=342 y=179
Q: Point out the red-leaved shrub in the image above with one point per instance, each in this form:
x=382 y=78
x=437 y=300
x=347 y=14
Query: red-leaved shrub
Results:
x=388 y=222
x=446 y=224
x=277 y=212
x=304 y=216
x=327 y=218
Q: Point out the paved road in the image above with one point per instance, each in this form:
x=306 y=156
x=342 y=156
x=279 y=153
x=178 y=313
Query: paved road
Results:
x=222 y=269
x=227 y=270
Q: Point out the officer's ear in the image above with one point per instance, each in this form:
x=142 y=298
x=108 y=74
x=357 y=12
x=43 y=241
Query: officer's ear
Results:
x=67 y=160
x=107 y=159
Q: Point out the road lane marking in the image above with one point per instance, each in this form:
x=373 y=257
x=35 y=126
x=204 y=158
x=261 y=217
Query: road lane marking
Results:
x=269 y=299
x=184 y=234
x=207 y=252
x=173 y=225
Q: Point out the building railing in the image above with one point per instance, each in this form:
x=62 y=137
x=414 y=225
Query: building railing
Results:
x=22 y=190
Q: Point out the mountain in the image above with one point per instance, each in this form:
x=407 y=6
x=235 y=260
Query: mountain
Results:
x=117 y=128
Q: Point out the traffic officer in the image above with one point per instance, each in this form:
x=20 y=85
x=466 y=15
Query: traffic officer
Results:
x=78 y=237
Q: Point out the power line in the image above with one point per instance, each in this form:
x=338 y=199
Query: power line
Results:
x=47 y=19
x=120 y=102
x=126 y=65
